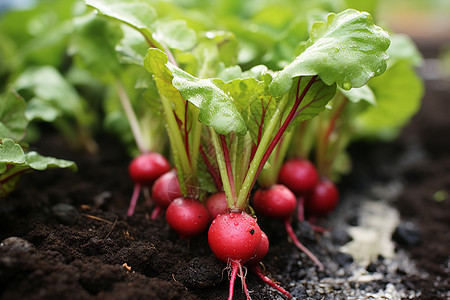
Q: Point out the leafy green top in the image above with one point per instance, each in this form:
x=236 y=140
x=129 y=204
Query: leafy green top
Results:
x=347 y=49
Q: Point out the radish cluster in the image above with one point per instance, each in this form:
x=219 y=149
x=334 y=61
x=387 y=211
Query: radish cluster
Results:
x=317 y=195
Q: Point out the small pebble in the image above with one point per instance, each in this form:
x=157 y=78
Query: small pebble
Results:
x=407 y=234
x=65 y=213
x=14 y=243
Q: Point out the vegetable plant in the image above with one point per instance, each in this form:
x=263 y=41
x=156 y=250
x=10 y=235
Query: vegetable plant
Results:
x=247 y=116
x=245 y=110
x=15 y=160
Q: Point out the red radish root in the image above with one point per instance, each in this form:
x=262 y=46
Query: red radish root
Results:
x=188 y=217
x=216 y=204
x=165 y=189
x=279 y=202
x=144 y=170
x=322 y=199
x=235 y=238
x=254 y=266
x=299 y=175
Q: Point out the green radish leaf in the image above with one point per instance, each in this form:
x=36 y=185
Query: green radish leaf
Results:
x=356 y=95
x=38 y=109
x=217 y=108
x=93 y=44
x=398 y=93
x=14 y=161
x=315 y=99
x=156 y=63
x=132 y=48
x=141 y=16
x=137 y=14
x=175 y=34
x=10 y=153
x=251 y=98
x=403 y=48
x=12 y=116
x=262 y=108
x=47 y=84
x=347 y=49
x=39 y=162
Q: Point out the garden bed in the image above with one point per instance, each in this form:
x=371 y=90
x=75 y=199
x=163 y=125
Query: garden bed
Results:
x=66 y=235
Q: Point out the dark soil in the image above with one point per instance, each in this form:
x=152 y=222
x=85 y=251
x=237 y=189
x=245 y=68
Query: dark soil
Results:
x=66 y=235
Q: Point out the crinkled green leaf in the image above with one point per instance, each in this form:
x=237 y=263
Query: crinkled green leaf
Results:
x=142 y=16
x=363 y=93
x=14 y=161
x=10 y=153
x=347 y=49
x=398 y=93
x=175 y=34
x=217 y=108
x=12 y=116
x=39 y=162
x=249 y=94
x=136 y=13
x=230 y=73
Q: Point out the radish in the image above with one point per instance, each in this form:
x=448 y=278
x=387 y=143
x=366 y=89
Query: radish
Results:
x=299 y=175
x=187 y=216
x=144 y=170
x=216 y=204
x=165 y=189
x=254 y=265
x=235 y=238
x=279 y=202
x=147 y=167
x=322 y=199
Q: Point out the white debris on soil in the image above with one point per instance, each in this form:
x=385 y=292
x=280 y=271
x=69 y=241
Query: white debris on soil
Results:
x=373 y=236
x=378 y=270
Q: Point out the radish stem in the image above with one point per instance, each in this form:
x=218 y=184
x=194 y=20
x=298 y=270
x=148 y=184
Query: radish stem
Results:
x=131 y=116
x=290 y=231
x=235 y=267
x=223 y=169
x=257 y=270
x=134 y=197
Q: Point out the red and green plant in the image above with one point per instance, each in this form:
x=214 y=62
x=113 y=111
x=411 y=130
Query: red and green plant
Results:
x=229 y=116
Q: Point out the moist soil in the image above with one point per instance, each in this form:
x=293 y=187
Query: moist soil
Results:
x=66 y=235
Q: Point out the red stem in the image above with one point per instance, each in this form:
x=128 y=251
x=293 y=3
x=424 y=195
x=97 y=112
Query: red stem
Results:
x=270 y=282
x=301 y=208
x=235 y=267
x=290 y=231
x=226 y=155
x=156 y=212
x=260 y=129
x=134 y=197
x=244 y=284
x=334 y=119
x=211 y=170
x=14 y=174
x=285 y=124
